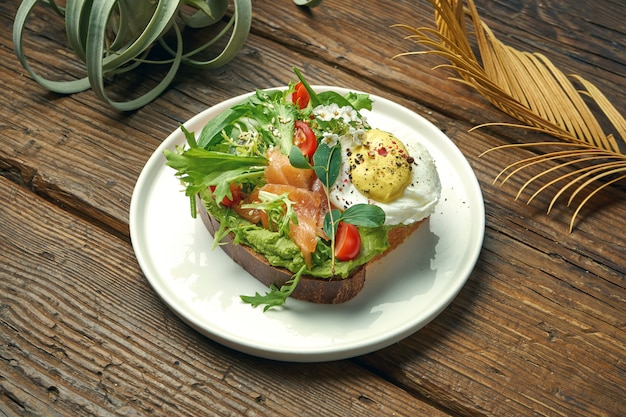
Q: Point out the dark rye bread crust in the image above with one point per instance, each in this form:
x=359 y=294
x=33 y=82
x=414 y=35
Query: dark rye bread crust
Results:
x=312 y=289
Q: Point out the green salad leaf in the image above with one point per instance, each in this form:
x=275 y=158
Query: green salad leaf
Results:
x=198 y=168
x=276 y=296
x=327 y=163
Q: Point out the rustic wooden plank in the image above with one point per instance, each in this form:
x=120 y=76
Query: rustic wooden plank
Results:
x=82 y=333
x=587 y=36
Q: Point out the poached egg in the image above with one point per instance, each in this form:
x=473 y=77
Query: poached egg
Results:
x=398 y=176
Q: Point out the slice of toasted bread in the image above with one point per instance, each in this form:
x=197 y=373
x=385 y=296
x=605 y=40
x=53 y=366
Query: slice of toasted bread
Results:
x=312 y=289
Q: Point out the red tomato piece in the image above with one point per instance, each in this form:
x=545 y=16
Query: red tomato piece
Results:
x=347 y=242
x=304 y=138
x=300 y=96
x=236 y=192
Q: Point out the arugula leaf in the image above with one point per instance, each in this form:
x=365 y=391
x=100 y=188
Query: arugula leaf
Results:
x=285 y=120
x=198 y=162
x=211 y=132
x=329 y=97
x=199 y=168
x=315 y=100
x=275 y=297
x=268 y=113
x=190 y=136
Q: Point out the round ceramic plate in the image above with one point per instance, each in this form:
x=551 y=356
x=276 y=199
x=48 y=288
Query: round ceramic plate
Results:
x=402 y=293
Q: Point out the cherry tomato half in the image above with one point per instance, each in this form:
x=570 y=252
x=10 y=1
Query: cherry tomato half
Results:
x=235 y=190
x=347 y=242
x=300 y=96
x=304 y=138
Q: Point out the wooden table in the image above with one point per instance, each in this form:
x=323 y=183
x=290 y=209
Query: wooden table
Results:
x=538 y=329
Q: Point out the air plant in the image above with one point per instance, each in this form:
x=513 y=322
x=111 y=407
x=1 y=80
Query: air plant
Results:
x=112 y=37
x=528 y=87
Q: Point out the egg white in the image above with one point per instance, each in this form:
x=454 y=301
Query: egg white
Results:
x=418 y=200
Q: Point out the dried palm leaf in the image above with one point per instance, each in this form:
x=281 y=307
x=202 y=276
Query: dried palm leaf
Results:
x=528 y=87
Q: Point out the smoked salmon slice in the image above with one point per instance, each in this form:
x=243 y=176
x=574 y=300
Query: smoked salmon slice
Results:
x=304 y=189
x=307 y=206
x=280 y=171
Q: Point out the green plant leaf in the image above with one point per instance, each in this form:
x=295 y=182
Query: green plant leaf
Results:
x=198 y=161
x=308 y=3
x=327 y=163
x=297 y=159
x=61 y=87
x=211 y=132
x=331 y=220
x=240 y=24
x=366 y=215
x=276 y=296
x=359 y=100
x=315 y=101
x=135 y=27
x=209 y=12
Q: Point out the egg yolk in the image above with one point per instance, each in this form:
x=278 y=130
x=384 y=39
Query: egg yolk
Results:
x=380 y=168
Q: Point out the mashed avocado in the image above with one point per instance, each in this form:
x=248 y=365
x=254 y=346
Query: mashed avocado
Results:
x=280 y=251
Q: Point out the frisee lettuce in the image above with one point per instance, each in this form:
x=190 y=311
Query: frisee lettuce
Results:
x=279 y=209
x=276 y=296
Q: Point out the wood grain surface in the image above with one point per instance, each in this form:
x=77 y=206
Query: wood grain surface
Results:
x=539 y=328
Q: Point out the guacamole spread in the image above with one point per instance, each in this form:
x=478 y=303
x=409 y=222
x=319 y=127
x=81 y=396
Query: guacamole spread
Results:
x=280 y=251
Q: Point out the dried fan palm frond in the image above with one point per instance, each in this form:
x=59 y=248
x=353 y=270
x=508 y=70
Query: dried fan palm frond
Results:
x=528 y=87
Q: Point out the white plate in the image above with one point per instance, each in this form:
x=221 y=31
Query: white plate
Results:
x=402 y=292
